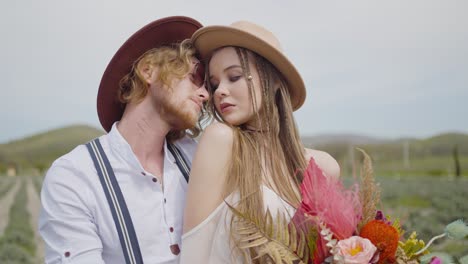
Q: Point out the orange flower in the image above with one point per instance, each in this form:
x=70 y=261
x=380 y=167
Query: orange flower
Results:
x=385 y=237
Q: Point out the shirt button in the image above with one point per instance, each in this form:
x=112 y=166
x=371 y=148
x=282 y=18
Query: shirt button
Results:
x=175 y=249
x=67 y=254
x=155 y=180
x=171 y=229
x=164 y=200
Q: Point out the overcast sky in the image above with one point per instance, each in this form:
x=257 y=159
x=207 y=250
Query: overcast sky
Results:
x=379 y=68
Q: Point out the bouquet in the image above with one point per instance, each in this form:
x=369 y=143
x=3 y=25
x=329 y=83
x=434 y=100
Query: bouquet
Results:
x=338 y=225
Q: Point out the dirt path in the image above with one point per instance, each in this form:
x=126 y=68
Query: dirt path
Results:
x=5 y=204
x=34 y=207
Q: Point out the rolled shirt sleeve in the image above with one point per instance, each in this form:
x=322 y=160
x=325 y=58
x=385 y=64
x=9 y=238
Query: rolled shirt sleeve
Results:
x=66 y=223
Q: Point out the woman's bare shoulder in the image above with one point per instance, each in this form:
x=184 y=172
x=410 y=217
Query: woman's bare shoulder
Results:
x=215 y=139
x=219 y=132
x=325 y=161
x=214 y=150
x=209 y=172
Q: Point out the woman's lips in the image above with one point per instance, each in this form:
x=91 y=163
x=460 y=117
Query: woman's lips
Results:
x=224 y=107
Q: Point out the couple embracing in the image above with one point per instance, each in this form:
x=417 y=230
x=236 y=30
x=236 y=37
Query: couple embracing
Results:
x=147 y=192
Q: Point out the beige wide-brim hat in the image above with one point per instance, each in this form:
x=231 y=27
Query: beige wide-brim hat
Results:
x=257 y=39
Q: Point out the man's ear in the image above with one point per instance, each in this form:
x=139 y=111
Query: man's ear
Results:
x=148 y=72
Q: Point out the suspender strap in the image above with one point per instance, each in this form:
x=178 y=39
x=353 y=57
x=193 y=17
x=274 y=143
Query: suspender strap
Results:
x=180 y=160
x=122 y=220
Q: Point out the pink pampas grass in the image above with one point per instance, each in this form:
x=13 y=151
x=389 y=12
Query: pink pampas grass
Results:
x=326 y=200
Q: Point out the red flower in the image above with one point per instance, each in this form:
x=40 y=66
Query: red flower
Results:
x=385 y=237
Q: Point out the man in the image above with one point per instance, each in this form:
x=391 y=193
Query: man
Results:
x=120 y=198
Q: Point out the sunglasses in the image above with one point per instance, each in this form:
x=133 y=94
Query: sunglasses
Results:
x=197 y=76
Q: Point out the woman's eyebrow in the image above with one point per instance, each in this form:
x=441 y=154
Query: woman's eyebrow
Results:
x=228 y=68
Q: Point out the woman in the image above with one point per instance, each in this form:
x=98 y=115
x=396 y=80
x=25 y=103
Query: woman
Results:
x=252 y=158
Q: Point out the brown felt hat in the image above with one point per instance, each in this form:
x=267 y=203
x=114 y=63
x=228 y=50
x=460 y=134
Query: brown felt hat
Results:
x=257 y=39
x=165 y=31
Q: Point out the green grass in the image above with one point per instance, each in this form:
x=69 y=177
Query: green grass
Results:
x=412 y=201
x=426 y=205
x=432 y=166
x=6 y=183
x=17 y=244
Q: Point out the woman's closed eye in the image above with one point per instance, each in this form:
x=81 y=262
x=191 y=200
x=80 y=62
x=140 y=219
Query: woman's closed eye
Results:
x=234 y=78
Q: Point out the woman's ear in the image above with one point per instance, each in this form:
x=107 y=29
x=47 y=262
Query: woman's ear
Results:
x=276 y=84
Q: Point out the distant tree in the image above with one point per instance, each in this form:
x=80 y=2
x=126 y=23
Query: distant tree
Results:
x=457 y=161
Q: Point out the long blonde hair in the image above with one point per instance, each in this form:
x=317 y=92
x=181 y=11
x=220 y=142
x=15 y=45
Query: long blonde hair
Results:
x=274 y=151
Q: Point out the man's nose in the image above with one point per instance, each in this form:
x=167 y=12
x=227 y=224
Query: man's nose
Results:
x=203 y=93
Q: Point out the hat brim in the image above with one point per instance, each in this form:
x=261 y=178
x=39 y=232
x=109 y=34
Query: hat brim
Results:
x=208 y=39
x=158 y=33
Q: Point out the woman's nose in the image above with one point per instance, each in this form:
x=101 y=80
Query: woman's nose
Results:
x=221 y=91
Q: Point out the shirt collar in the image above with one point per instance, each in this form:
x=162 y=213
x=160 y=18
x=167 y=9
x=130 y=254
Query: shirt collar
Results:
x=120 y=147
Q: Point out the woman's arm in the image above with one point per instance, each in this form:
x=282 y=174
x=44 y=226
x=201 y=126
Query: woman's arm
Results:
x=325 y=161
x=208 y=174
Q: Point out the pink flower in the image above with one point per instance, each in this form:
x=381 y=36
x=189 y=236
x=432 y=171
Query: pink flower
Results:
x=436 y=260
x=355 y=250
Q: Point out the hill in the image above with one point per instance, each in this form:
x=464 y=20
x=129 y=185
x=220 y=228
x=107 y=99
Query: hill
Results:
x=327 y=139
x=430 y=156
x=40 y=150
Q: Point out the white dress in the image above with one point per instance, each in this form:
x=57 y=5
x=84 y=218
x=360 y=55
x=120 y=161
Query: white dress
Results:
x=209 y=242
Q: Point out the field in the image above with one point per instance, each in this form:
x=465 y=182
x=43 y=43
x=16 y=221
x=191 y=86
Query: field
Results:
x=19 y=210
x=424 y=183
x=426 y=205
x=423 y=204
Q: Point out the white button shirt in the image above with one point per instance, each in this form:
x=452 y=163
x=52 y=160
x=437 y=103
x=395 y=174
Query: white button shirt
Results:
x=76 y=222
